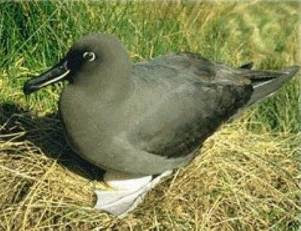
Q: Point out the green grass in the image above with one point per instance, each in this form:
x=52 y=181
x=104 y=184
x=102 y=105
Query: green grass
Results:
x=34 y=35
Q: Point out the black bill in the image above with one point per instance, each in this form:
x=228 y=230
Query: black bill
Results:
x=55 y=74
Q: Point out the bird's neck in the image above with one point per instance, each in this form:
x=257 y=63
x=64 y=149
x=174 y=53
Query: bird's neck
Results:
x=111 y=85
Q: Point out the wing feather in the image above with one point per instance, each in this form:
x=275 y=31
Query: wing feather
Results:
x=190 y=108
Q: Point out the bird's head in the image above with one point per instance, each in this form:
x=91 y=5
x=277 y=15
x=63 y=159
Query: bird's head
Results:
x=91 y=55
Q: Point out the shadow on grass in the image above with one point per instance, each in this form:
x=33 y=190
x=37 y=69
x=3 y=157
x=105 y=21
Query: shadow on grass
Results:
x=18 y=125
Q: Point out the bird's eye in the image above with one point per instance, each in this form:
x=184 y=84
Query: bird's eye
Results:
x=89 y=55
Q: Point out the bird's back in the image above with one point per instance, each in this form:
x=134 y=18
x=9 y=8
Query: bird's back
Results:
x=184 y=102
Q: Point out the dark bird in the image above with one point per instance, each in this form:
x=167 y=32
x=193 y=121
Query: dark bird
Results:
x=139 y=121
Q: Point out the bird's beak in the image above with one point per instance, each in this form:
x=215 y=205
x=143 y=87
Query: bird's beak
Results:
x=55 y=74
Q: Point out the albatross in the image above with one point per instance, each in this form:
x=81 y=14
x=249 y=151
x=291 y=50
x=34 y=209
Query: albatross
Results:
x=140 y=121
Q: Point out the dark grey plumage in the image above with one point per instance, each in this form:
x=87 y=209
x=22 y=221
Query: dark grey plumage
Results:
x=153 y=116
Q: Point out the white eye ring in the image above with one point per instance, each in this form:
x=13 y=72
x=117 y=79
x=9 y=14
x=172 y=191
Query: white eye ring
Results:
x=89 y=55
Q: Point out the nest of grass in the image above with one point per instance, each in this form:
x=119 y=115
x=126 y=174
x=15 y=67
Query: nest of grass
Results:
x=241 y=181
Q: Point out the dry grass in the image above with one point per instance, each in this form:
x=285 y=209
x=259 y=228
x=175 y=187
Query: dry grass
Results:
x=242 y=181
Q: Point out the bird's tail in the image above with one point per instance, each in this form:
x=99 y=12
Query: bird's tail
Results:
x=265 y=83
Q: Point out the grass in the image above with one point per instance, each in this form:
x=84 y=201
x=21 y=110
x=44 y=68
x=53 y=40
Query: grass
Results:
x=247 y=175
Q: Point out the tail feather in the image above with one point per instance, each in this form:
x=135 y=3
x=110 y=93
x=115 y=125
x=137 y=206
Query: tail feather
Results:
x=265 y=83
